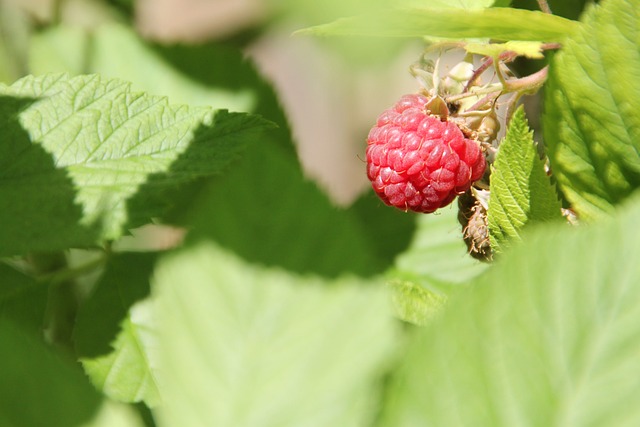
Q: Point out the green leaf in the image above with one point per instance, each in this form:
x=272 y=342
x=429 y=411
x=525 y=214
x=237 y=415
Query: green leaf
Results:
x=115 y=292
x=363 y=239
x=549 y=336
x=74 y=159
x=495 y=23
x=59 y=49
x=38 y=387
x=521 y=191
x=437 y=4
x=22 y=299
x=528 y=49
x=388 y=231
x=246 y=346
x=112 y=414
x=437 y=258
x=114 y=332
x=117 y=52
x=128 y=374
x=276 y=217
x=214 y=75
x=415 y=304
x=591 y=125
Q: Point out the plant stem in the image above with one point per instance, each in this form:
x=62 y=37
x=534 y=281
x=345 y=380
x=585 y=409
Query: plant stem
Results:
x=528 y=84
x=494 y=88
x=476 y=74
x=56 y=13
x=488 y=99
x=62 y=302
x=496 y=66
x=69 y=274
x=551 y=46
x=544 y=6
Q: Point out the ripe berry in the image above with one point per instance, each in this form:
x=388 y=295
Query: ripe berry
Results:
x=416 y=161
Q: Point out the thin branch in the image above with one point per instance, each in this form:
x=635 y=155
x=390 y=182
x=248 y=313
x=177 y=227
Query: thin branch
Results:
x=544 y=6
x=476 y=74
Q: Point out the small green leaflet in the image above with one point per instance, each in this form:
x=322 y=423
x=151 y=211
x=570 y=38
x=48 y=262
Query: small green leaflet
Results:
x=521 y=191
x=414 y=303
x=495 y=23
x=591 y=122
x=80 y=155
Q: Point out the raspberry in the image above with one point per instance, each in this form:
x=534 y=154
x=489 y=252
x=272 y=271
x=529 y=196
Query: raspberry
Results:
x=415 y=161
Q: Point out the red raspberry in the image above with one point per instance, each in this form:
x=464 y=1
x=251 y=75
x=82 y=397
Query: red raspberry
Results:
x=416 y=161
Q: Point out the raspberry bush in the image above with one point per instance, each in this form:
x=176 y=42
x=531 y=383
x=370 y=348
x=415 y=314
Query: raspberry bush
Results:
x=165 y=259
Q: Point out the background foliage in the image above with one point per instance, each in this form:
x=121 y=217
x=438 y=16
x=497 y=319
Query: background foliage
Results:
x=273 y=306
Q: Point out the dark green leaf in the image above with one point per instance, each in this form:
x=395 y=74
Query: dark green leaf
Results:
x=272 y=215
x=38 y=388
x=388 y=231
x=22 y=299
x=74 y=159
x=591 y=121
x=567 y=8
x=124 y=282
x=111 y=333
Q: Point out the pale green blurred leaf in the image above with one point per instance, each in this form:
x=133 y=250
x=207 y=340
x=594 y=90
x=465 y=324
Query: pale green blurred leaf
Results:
x=521 y=191
x=111 y=414
x=524 y=48
x=61 y=49
x=246 y=346
x=447 y=4
x=494 y=23
x=116 y=51
x=437 y=258
x=84 y=157
x=549 y=336
x=591 y=122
